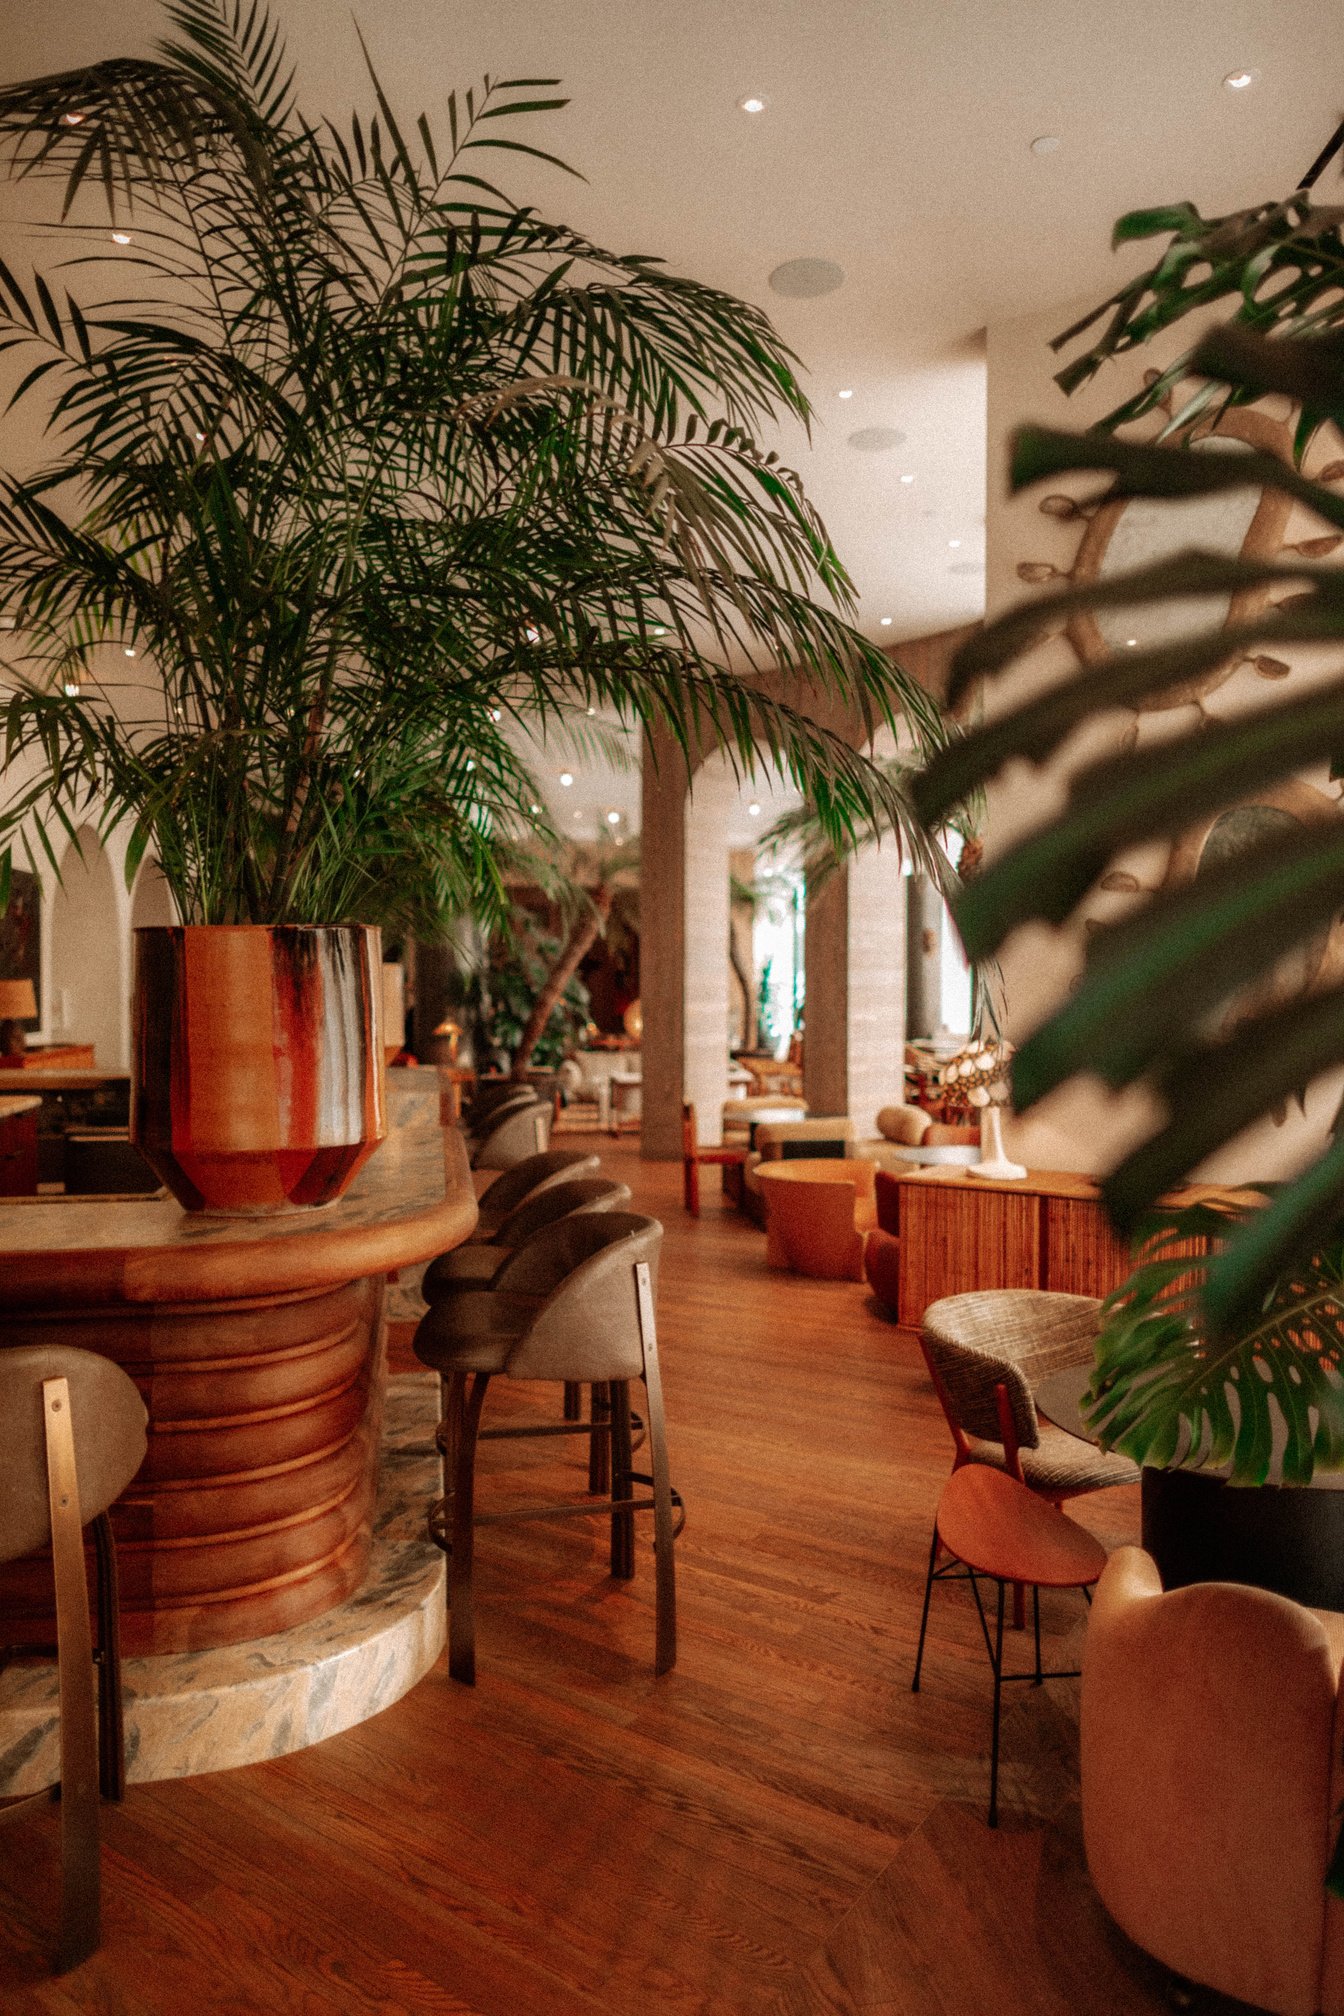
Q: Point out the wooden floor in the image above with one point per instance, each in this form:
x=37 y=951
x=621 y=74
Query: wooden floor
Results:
x=778 y=1828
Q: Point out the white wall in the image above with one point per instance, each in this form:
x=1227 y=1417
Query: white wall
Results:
x=1083 y=1127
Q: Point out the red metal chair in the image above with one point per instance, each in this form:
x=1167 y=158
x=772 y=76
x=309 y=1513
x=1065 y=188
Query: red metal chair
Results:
x=692 y=1155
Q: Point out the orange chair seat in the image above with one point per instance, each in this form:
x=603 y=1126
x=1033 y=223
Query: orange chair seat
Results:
x=1003 y=1529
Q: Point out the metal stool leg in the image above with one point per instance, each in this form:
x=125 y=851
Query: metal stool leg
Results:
x=665 y=1654
x=924 y=1619
x=622 y=1485
x=461 y=1609
x=599 y=1440
x=111 y=1719
x=998 y=1703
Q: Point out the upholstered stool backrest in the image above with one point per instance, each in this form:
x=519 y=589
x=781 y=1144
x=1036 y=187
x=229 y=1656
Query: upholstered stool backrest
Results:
x=514 y=1135
x=561 y=1200
x=107 y=1419
x=534 y=1173
x=588 y=1325
x=1010 y=1337
x=1206 y=1746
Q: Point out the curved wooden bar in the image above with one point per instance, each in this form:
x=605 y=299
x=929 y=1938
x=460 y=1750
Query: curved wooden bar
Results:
x=258 y=1349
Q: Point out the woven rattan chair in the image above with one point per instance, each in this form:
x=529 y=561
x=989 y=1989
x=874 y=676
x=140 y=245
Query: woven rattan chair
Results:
x=986 y=1352
x=575 y=1305
x=74 y=1439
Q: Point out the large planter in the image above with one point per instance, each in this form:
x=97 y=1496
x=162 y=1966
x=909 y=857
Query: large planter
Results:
x=257 y=1062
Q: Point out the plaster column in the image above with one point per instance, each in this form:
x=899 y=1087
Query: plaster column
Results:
x=683 y=952
x=854 y=1052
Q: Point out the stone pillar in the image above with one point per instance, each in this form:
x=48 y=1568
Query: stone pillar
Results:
x=854 y=1053
x=683 y=949
x=924 y=957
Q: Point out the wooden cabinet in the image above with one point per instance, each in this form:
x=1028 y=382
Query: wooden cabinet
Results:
x=18 y=1147
x=960 y=1232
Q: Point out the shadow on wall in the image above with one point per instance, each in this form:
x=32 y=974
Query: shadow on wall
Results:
x=89 y=975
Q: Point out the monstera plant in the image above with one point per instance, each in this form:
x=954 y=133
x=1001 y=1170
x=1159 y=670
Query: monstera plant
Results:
x=1177 y=995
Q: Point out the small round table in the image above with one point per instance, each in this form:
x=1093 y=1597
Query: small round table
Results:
x=992 y=1525
x=1199 y=1528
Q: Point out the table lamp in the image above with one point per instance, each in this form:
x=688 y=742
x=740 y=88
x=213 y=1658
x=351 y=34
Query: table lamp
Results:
x=18 y=1004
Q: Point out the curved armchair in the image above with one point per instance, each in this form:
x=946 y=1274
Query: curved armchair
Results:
x=475 y=1265
x=534 y=1173
x=817 y=1215
x=1211 y=1734
x=575 y=1305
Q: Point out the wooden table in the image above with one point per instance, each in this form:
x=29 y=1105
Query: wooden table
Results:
x=257 y=1344
x=960 y=1231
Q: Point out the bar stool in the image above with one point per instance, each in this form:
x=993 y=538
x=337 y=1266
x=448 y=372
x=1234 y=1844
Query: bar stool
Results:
x=576 y=1304
x=514 y=1132
x=992 y=1525
x=74 y=1439
x=476 y=1264
x=513 y=1187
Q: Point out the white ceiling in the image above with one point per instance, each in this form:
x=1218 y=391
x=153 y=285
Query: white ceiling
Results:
x=896 y=143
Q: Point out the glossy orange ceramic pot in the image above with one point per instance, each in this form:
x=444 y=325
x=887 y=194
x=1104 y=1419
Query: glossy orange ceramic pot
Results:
x=257 y=1061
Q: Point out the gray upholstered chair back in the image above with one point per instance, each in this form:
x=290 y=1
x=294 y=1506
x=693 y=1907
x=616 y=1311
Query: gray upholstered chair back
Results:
x=107 y=1419
x=514 y=1134
x=588 y=1324
x=490 y=1098
x=1010 y=1337
x=561 y=1200
x=526 y=1178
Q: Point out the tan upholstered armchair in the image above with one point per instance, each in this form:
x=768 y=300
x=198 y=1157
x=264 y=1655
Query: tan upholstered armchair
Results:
x=1212 y=1777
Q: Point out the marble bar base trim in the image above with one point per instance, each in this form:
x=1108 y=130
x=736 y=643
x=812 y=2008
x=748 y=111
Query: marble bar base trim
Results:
x=191 y=1712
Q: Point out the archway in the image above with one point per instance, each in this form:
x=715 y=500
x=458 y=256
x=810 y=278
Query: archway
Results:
x=88 y=999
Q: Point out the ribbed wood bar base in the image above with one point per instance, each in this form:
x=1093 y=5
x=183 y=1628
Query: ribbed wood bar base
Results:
x=259 y=1350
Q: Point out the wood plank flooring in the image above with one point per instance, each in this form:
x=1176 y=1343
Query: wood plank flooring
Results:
x=778 y=1828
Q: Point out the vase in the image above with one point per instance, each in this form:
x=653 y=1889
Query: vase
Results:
x=993 y=1161
x=257 y=1074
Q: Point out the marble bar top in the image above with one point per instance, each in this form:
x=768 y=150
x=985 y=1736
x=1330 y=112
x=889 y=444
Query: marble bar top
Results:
x=412 y=1200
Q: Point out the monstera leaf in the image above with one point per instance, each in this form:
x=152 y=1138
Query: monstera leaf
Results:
x=1265 y=1398
x=1184 y=994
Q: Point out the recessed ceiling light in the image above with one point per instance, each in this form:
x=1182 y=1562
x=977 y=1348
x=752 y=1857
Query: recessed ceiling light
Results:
x=1131 y=642
x=70 y=688
x=613 y=818
x=907 y=479
x=752 y=104
x=471 y=762
x=535 y=808
x=72 y=118
x=128 y=650
x=566 y=779
x=660 y=629
x=197 y=434
x=803 y=279
x=532 y=634
x=496 y=714
x=1045 y=143
x=591 y=712
x=848 y=393
x=885 y=622
x=121 y=237
x=753 y=810
x=954 y=543
x=1239 y=80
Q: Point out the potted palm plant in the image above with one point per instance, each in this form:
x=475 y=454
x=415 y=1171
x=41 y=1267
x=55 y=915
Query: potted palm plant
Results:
x=351 y=466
